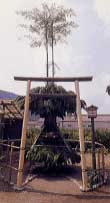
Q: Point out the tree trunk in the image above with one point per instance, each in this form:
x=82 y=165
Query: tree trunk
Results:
x=47 y=63
x=50 y=124
x=53 y=66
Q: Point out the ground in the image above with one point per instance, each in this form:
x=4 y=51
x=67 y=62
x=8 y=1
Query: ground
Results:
x=59 y=191
x=62 y=188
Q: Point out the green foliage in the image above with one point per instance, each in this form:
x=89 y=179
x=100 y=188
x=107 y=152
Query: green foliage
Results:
x=70 y=133
x=73 y=134
x=50 y=158
x=94 y=178
x=31 y=134
x=50 y=106
x=103 y=137
x=49 y=21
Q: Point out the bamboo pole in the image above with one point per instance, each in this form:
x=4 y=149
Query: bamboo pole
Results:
x=81 y=138
x=8 y=145
x=23 y=137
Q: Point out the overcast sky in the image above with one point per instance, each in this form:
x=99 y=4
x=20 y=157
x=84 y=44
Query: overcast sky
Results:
x=86 y=54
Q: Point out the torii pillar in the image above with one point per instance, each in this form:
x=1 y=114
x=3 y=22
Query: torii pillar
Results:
x=81 y=139
x=23 y=137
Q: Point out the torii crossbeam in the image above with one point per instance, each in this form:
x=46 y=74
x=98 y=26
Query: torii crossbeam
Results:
x=55 y=79
x=76 y=80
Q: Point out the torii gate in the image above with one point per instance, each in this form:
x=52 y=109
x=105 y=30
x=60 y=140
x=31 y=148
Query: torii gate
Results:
x=76 y=80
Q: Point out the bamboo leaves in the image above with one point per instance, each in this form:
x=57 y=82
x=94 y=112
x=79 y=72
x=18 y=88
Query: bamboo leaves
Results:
x=48 y=26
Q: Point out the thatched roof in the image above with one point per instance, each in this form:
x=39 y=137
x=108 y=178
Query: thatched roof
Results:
x=9 y=109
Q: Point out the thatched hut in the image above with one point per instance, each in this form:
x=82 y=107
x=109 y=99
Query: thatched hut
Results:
x=11 y=119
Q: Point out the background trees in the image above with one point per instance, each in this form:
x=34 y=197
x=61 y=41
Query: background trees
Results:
x=108 y=89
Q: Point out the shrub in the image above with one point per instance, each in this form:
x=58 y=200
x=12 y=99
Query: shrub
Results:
x=51 y=158
x=103 y=137
x=31 y=134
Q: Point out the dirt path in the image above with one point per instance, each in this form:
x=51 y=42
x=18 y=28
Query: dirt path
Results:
x=57 y=189
x=63 y=189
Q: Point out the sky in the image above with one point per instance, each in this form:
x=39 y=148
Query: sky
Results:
x=85 y=54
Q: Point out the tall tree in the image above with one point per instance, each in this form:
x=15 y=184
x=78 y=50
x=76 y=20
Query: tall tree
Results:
x=47 y=27
x=61 y=24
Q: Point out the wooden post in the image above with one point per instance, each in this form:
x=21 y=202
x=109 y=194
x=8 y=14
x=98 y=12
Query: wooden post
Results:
x=98 y=159
x=81 y=138
x=23 y=137
x=103 y=162
x=10 y=164
x=93 y=145
x=8 y=149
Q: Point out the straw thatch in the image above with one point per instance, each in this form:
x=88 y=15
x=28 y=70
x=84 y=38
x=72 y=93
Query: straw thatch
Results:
x=9 y=109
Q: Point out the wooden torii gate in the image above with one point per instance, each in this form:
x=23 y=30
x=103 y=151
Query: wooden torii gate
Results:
x=76 y=80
